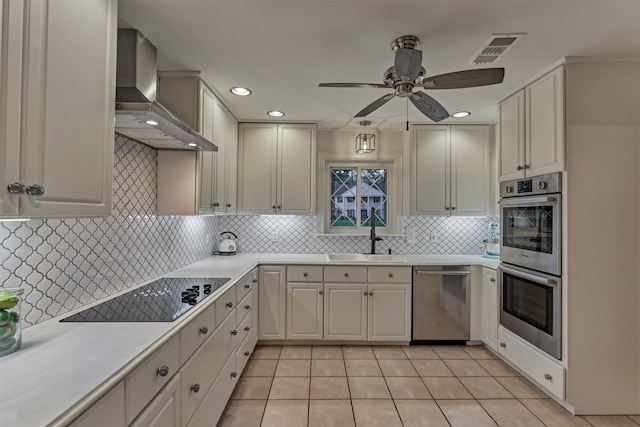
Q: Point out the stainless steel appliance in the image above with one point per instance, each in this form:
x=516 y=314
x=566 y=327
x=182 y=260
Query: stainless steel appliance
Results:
x=530 y=215
x=163 y=300
x=441 y=303
x=531 y=307
x=531 y=261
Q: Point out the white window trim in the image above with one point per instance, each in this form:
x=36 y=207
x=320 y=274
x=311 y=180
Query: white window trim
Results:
x=394 y=197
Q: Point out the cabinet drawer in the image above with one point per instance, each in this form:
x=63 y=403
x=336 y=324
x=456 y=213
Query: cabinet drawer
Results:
x=196 y=332
x=390 y=275
x=225 y=305
x=544 y=371
x=164 y=409
x=146 y=380
x=345 y=274
x=244 y=307
x=243 y=329
x=304 y=273
x=203 y=367
x=245 y=350
x=246 y=285
x=216 y=398
x=106 y=412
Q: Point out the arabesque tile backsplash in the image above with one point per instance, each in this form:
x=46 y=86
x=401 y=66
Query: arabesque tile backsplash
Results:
x=63 y=264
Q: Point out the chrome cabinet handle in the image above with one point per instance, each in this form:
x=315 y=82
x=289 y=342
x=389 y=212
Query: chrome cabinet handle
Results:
x=255 y=280
x=346 y=274
x=519 y=168
x=453 y=208
x=247 y=328
x=526 y=166
x=273 y=207
x=446 y=208
x=195 y=388
x=229 y=304
x=305 y=274
x=492 y=279
x=365 y=293
x=234 y=374
x=278 y=207
x=320 y=292
x=215 y=204
x=247 y=353
x=16 y=188
x=204 y=330
x=247 y=286
x=35 y=190
x=390 y=274
x=547 y=376
x=248 y=307
x=234 y=332
x=228 y=205
x=503 y=344
x=163 y=371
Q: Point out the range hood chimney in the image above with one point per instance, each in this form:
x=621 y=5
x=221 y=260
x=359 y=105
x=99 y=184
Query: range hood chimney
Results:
x=138 y=115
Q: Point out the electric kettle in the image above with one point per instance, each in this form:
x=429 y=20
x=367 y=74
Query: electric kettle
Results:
x=227 y=245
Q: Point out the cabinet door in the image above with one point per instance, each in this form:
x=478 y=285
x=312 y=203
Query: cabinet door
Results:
x=231 y=165
x=207 y=159
x=164 y=409
x=67 y=144
x=511 y=127
x=296 y=173
x=272 y=295
x=545 y=124
x=389 y=312
x=470 y=170
x=345 y=312
x=489 y=308
x=11 y=17
x=304 y=310
x=108 y=411
x=430 y=162
x=257 y=156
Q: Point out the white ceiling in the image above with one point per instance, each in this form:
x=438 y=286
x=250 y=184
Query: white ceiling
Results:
x=282 y=49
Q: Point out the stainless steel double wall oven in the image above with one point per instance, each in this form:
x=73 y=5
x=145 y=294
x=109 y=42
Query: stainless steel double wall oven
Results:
x=531 y=260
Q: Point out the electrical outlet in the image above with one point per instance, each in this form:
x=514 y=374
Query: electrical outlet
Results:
x=274 y=236
x=433 y=237
x=410 y=235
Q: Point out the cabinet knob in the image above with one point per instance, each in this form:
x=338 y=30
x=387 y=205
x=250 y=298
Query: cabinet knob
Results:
x=247 y=286
x=390 y=274
x=526 y=166
x=446 y=208
x=35 y=190
x=248 y=307
x=16 y=188
x=305 y=274
x=453 y=208
x=247 y=328
x=204 y=330
x=278 y=207
x=163 y=371
x=255 y=280
x=370 y=293
x=319 y=292
x=215 y=204
x=247 y=353
x=346 y=274
x=547 y=376
x=519 y=168
x=195 y=388
x=273 y=207
x=365 y=293
x=492 y=279
x=234 y=374
x=228 y=205
x=229 y=304
x=234 y=332
x=503 y=344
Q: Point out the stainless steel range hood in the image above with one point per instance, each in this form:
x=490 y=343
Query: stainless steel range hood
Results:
x=138 y=115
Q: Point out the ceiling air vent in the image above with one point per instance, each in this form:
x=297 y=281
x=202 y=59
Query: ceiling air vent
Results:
x=495 y=47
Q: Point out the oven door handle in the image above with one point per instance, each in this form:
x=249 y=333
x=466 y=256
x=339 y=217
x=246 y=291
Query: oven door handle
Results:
x=525 y=201
x=528 y=276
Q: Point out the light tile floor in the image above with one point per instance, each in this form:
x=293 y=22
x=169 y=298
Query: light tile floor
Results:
x=413 y=386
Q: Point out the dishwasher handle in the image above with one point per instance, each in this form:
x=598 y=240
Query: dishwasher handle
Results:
x=443 y=273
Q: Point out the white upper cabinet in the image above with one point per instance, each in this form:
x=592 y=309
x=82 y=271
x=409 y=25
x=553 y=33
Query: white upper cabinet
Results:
x=531 y=125
x=277 y=168
x=450 y=170
x=210 y=186
x=57 y=107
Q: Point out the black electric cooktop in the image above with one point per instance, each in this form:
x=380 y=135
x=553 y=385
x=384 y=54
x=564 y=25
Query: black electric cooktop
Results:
x=161 y=301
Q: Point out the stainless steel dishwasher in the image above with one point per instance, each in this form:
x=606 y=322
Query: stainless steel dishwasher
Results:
x=441 y=303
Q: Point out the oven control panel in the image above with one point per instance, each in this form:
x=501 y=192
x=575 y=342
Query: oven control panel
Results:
x=537 y=185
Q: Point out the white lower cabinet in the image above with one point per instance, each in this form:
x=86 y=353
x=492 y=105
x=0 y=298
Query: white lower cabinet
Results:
x=305 y=310
x=272 y=302
x=164 y=410
x=389 y=312
x=106 y=412
x=544 y=371
x=489 y=308
x=345 y=312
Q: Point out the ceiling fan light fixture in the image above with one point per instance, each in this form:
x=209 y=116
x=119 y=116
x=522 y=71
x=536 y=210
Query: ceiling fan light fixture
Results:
x=461 y=114
x=275 y=113
x=365 y=142
x=240 y=91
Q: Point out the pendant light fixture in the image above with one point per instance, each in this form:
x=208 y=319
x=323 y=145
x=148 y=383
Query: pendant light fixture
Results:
x=365 y=142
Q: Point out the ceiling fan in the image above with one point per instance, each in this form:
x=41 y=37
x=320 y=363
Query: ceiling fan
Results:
x=408 y=73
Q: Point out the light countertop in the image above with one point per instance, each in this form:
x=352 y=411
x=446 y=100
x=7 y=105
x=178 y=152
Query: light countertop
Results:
x=62 y=368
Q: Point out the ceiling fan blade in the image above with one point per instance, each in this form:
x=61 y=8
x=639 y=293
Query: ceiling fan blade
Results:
x=375 y=105
x=365 y=85
x=428 y=106
x=408 y=63
x=463 y=79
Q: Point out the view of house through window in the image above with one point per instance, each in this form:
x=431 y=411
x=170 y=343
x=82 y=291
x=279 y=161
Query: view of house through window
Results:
x=354 y=191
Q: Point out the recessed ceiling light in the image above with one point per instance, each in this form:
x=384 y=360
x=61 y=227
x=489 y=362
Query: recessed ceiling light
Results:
x=152 y=122
x=240 y=91
x=192 y=144
x=460 y=114
x=275 y=113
